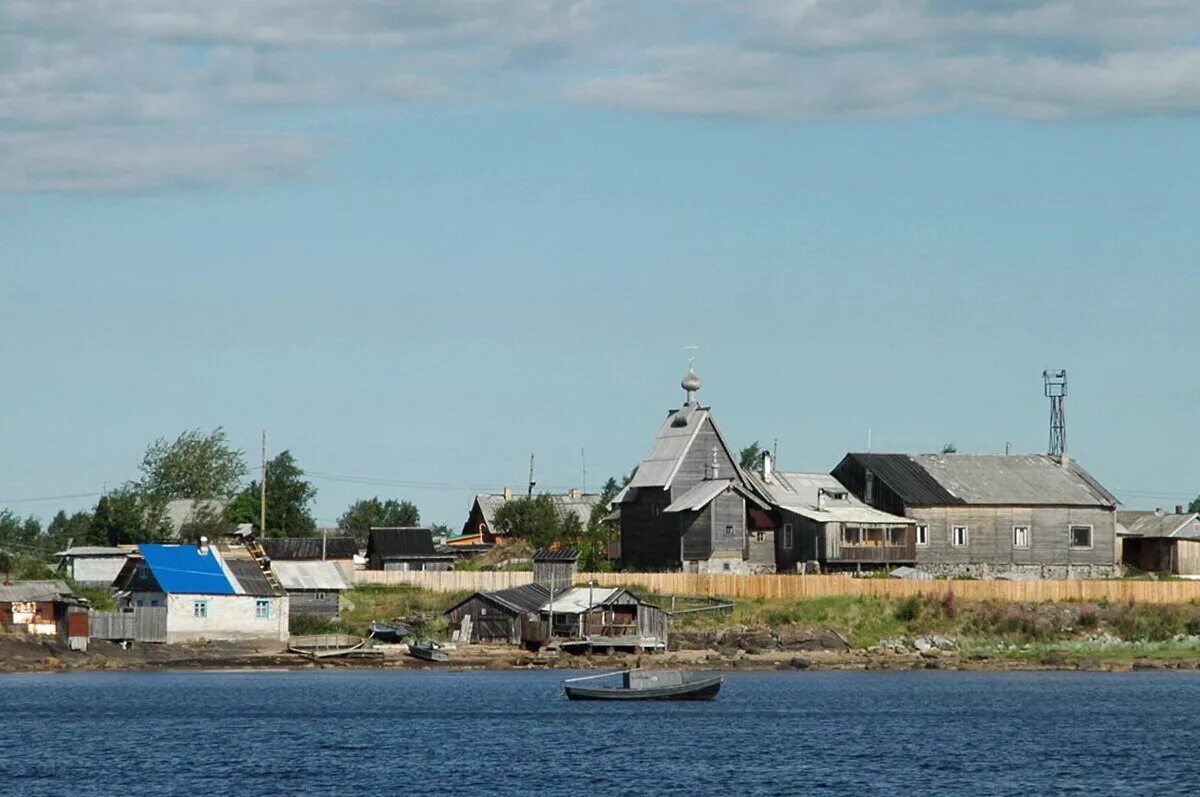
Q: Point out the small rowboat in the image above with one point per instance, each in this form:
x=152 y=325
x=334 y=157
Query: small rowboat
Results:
x=647 y=685
x=324 y=646
x=429 y=651
x=388 y=632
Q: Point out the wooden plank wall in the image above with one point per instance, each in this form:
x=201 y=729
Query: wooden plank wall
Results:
x=793 y=587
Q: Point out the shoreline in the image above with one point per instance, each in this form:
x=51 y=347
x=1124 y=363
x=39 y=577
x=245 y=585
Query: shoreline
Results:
x=49 y=657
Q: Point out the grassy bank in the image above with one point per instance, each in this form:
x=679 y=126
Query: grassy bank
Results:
x=368 y=602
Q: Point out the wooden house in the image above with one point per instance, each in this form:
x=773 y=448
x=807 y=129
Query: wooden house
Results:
x=203 y=596
x=689 y=506
x=339 y=550
x=314 y=587
x=1160 y=542
x=92 y=565
x=497 y=617
x=42 y=608
x=822 y=527
x=405 y=548
x=993 y=514
x=480 y=526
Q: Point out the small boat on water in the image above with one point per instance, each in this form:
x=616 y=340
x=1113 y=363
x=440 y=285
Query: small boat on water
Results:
x=429 y=651
x=324 y=646
x=388 y=632
x=647 y=685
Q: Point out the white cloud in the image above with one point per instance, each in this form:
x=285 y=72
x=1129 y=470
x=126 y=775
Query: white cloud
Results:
x=78 y=78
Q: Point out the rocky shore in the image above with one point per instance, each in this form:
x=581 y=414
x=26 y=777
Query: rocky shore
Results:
x=734 y=649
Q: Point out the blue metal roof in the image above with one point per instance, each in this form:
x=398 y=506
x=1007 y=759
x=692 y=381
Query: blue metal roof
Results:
x=183 y=569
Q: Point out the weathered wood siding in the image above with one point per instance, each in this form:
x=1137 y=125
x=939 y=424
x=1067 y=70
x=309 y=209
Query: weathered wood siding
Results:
x=990 y=535
x=808 y=541
x=490 y=622
x=556 y=574
x=313 y=602
x=697 y=536
x=854 y=478
x=139 y=624
x=699 y=457
x=728 y=524
x=649 y=536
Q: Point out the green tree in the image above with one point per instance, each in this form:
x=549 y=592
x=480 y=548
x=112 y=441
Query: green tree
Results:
x=125 y=517
x=750 y=456
x=64 y=529
x=20 y=535
x=949 y=448
x=195 y=465
x=368 y=512
x=1194 y=506
x=289 y=498
x=533 y=519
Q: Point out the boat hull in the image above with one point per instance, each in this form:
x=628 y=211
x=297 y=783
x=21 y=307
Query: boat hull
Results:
x=428 y=654
x=699 y=689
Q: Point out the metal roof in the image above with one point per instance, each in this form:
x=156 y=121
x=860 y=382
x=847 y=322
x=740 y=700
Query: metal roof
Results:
x=850 y=514
x=1014 y=479
x=797 y=493
x=580 y=599
x=93 y=550
x=183 y=569
x=310 y=548
x=1156 y=524
x=35 y=591
x=310 y=575
x=403 y=542
x=525 y=598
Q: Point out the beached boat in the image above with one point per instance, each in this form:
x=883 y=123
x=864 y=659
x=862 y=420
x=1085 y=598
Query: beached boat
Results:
x=323 y=646
x=429 y=651
x=388 y=632
x=646 y=685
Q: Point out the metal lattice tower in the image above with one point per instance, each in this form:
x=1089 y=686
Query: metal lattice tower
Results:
x=1056 y=391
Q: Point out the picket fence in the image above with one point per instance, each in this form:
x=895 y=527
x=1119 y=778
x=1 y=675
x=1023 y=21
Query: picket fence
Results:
x=798 y=587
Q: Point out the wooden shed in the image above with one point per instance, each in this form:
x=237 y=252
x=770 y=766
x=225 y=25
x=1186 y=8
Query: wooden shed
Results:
x=496 y=617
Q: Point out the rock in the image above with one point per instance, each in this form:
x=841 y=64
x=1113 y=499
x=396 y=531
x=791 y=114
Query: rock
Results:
x=923 y=645
x=816 y=639
x=799 y=663
x=930 y=653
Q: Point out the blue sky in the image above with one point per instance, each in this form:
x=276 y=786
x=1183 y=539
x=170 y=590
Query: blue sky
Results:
x=417 y=247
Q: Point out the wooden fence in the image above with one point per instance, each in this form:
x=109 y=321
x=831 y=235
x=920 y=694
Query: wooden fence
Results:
x=774 y=586
x=140 y=624
x=447 y=581
x=798 y=587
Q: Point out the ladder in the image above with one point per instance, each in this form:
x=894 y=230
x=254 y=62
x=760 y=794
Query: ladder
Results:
x=259 y=555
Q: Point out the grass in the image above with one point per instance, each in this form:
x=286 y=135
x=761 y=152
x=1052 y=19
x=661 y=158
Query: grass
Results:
x=368 y=602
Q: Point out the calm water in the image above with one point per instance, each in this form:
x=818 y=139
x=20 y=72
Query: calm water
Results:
x=312 y=733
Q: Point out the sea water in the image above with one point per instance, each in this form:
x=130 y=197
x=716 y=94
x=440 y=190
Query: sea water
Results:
x=513 y=733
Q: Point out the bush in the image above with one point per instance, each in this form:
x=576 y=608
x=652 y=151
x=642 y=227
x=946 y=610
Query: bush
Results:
x=311 y=624
x=1088 y=618
x=909 y=609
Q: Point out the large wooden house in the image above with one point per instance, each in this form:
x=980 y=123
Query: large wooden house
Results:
x=480 y=528
x=689 y=506
x=993 y=514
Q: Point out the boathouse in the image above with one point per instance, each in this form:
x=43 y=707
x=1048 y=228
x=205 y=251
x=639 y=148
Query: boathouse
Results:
x=313 y=587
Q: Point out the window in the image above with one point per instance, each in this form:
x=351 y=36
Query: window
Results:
x=896 y=535
x=760 y=535
x=1020 y=536
x=958 y=536
x=200 y=609
x=922 y=535
x=850 y=535
x=1081 y=536
x=320 y=596
x=729 y=531
x=262 y=609
x=787 y=536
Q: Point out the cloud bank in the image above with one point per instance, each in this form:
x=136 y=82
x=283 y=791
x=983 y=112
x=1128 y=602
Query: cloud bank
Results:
x=136 y=95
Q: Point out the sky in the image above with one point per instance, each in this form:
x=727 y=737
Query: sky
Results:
x=418 y=242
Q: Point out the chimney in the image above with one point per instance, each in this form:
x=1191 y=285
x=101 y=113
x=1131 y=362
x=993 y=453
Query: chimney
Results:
x=1158 y=511
x=203 y=546
x=576 y=493
x=507 y=493
x=1179 y=509
x=1065 y=460
x=820 y=495
x=767 y=466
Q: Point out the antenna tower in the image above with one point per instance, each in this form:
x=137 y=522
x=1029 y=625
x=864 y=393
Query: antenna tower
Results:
x=1056 y=391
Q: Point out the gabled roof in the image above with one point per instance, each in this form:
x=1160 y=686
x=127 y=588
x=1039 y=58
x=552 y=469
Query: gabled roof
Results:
x=47 y=591
x=578 y=504
x=403 y=542
x=518 y=600
x=79 y=551
x=182 y=569
x=560 y=555
x=1160 y=524
x=704 y=492
x=797 y=493
x=672 y=444
x=310 y=575
x=986 y=479
x=310 y=547
x=250 y=577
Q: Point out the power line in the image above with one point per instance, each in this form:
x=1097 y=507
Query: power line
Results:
x=48 y=498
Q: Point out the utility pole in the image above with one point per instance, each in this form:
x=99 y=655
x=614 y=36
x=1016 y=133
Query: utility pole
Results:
x=583 y=456
x=531 y=481
x=262 y=487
